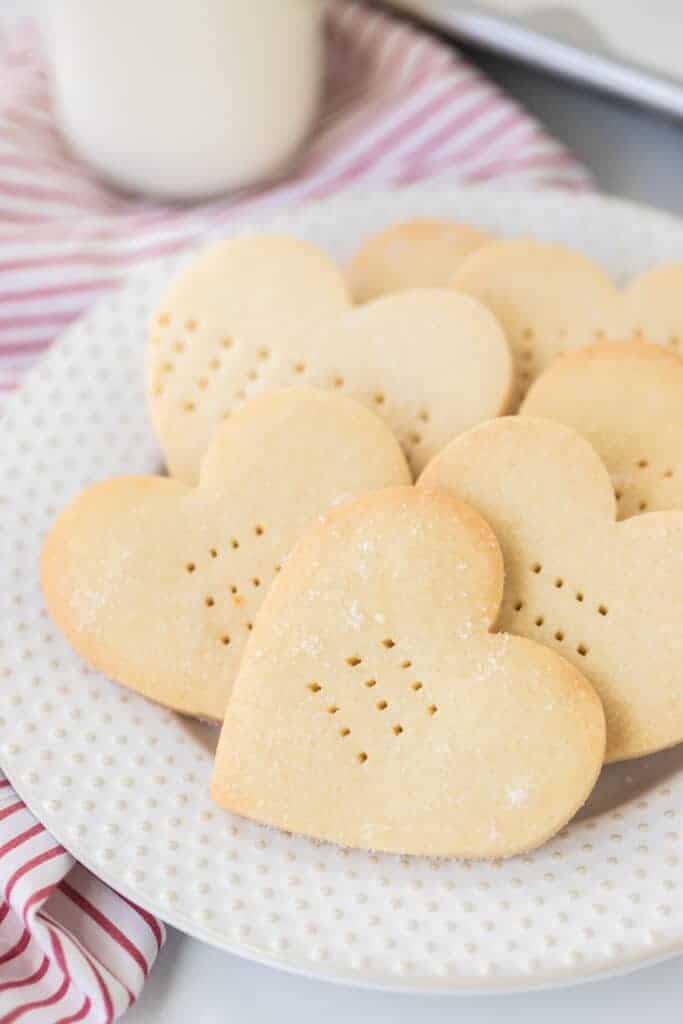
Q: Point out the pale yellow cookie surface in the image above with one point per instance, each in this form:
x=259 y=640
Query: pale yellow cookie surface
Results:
x=219 y=327
x=375 y=709
x=430 y=362
x=422 y=253
x=626 y=398
x=157 y=584
x=549 y=298
x=607 y=595
x=652 y=307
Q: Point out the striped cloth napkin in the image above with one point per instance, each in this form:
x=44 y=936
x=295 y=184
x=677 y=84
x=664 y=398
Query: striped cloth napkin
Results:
x=399 y=107
x=70 y=948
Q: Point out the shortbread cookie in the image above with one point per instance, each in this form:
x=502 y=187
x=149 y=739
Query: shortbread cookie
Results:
x=549 y=298
x=626 y=398
x=157 y=584
x=220 y=326
x=607 y=595
x=421 y=253
x=430 y=362
x=652 y=308
x=375 y=709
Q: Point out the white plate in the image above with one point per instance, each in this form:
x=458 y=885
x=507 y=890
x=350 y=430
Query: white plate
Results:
x=124 y=783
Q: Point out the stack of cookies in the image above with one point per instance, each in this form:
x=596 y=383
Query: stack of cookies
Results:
x=420 y=548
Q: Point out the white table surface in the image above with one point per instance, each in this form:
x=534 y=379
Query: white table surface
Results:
x=633 y=153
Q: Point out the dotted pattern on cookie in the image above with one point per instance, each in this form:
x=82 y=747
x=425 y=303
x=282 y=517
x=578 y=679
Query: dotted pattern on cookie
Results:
x=374 y=684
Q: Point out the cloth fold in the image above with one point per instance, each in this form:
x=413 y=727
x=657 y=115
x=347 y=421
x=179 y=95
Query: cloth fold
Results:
x=399 y=107
x=71 y=949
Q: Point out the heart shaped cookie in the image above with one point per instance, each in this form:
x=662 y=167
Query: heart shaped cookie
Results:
x=422 y=253
x=626 y=398
x=374 y=708
x=607 y=595
x=431 y=363
x=157 y=584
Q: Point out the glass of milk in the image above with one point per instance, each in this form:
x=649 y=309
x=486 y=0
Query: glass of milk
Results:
x=186 y=98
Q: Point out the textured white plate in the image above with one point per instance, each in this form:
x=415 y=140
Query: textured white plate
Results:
x=124 y=783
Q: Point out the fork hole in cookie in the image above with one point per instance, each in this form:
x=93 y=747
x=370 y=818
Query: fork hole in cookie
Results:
x=518 y=605
x=388 y=643
x=213 y=553
x=233 y=588
x=642 y=507
x=559 y=582
x=539 y=620
x=381 y=705
x=299 y=367
x=209 y=601
x=579 y=596
x=189 y=406
x=432 y=709
x=353 y=660
x=225 y=639
x=602 y=609
x=370 y=683
x=190 y=567
x=252 y=374
x=337 y=382
x=263 y=353
x=536 y=567
x=255 y=582
x=674 y=340
x=642 y=463
x=259 y=530
x=416 y=687
x=361 y=757
x=163 y=320
x=332 y=709
x=378 y=398
x=215 y=364
x=344 y=731
x=314 y=687
x=415 y=438
x=424 y=415
x=226 y=342
x=250 y=626
x=406 y=663
x=559 y=635
x=167 y=367
x=582 y=650
x=234 y=543
x=667 y=474
x=397 y=730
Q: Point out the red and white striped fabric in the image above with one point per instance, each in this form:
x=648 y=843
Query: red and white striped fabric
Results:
x=399 y=107
x=70 y=948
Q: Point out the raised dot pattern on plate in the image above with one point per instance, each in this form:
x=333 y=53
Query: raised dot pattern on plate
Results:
x=603 y=894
